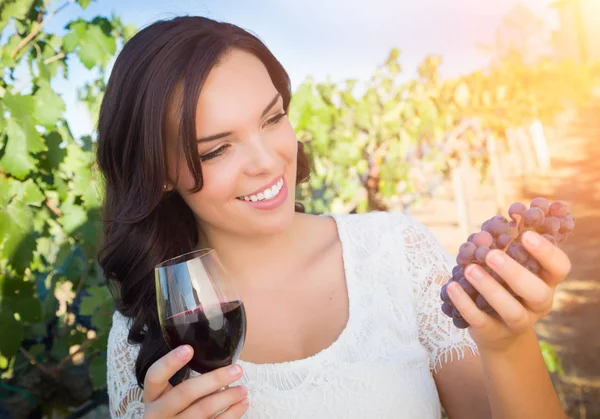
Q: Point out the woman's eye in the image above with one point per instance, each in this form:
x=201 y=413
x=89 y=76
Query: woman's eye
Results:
x=214 y=154
x=276 y=118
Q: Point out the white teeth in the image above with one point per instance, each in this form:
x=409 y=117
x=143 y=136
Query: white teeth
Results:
x=268 y=193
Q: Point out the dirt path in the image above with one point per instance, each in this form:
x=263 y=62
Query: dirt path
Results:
x=574 y=325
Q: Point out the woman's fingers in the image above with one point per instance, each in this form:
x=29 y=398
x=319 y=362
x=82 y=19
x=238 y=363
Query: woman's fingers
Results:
x=210 y=406
x=157 y=378
x=516 y=317
x=535 y=292
x=189 y=391
x=236 y=411
x=466 y=307
x=553 y=260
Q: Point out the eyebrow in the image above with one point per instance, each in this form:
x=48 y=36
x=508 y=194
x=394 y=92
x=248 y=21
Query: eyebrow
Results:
x=225 y=134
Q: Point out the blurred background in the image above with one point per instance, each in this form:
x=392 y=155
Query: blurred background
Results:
x=449 y=111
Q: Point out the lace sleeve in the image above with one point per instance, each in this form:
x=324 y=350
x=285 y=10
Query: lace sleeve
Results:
x=429 y=266
x=125 y=396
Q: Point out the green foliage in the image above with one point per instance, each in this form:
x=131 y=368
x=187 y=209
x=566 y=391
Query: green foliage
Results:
x=51 y=289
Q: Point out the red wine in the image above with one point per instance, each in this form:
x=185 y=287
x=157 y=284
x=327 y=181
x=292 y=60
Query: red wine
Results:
x=216 y=333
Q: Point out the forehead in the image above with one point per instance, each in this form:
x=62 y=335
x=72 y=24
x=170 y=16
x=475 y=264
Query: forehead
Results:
x=238 y=87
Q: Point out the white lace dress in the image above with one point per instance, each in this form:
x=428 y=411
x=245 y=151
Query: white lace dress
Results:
x=382 y=363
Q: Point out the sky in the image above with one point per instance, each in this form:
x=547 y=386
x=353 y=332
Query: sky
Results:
x=339 y=39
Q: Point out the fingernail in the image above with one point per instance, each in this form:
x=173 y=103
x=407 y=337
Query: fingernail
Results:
x=234 y=370
x=475 y=272
x=532 y=239
x=245 y=402
x=244 y=390
x=496 y=258
x=183 y=351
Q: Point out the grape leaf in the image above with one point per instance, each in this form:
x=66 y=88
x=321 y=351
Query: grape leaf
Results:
x=73 y=217
x=49 y=107
x=9 y=326
x=97 y=298
x=84 y=3
x=96 y=47
x=16 y=9
x=16 y=160
x=98 y=372
x=31 y=194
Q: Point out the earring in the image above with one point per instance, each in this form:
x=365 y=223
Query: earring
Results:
x=165 y=187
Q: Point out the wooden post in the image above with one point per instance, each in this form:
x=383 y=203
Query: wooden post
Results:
x=496 y=172
x=540 y=145
x=460 y=197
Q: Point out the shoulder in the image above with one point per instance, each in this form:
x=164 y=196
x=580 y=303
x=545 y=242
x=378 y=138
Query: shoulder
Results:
x=379 y=222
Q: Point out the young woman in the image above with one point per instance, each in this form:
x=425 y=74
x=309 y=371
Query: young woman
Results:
x=344 y=317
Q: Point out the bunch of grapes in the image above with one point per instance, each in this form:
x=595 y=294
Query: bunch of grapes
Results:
x=552 y=220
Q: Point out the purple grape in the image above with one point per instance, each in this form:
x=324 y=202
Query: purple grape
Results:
x=447 y=309
x=503 y=240
x=481 y=253
x=465 y=253
x=516 y=208
x=444 y=294
x=482 y=304
x=551 y=225
x=558 y=209
x=460 y=323
x=517 y=252
x=456 y=314
x=567 y=224
x=550 y=238
x=541 y=203
x=470 y=239
x=534 y=217
x=483 y=238
x=498 y=225
x=533 y=265
x=466 y=285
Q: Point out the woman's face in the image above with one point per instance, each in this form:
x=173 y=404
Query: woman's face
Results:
x=248 y=152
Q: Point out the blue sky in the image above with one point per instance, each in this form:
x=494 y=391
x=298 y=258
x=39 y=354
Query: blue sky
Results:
x=322 y=38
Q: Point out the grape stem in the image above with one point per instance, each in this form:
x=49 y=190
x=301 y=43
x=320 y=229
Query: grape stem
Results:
x=520 y=223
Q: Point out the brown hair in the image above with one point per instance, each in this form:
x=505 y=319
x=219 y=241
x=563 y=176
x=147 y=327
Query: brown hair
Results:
x=143 y=224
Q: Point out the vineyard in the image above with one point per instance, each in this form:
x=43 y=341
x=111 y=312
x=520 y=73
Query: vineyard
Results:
x=383 y=144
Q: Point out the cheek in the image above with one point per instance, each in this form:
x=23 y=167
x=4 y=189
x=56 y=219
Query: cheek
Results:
x=289 y=144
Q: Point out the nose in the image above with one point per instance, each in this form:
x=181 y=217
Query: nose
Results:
x=261 y=156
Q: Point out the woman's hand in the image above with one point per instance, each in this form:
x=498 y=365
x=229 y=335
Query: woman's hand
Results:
x=513 y=317
x=195 y=398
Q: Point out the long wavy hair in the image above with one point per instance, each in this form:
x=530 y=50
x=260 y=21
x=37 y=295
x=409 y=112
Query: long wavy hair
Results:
x=143 y=224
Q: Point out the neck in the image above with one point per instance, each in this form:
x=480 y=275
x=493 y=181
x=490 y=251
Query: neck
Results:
x=257 y=259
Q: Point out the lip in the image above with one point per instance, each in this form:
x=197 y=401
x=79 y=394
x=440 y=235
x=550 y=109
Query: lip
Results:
x=271 y=204
x=261 y=189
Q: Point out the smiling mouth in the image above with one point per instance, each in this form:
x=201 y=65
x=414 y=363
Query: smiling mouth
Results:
x=265 y=195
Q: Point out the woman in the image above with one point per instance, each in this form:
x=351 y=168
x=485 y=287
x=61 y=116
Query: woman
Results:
x=343 y=311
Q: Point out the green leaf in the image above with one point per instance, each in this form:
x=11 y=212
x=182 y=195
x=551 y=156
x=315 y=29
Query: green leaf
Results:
x=98 y=297
x=49 y=105
x=84 y=3
x=96 y=48
x=16 y=160
x=73 y=217
x=31 y=194
x=9 y=326
x=98 y=372
x=16 y=234
x=55 y=154
x=16 y=9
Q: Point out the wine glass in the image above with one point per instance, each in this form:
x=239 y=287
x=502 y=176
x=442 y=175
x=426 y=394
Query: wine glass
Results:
x=198 y=305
